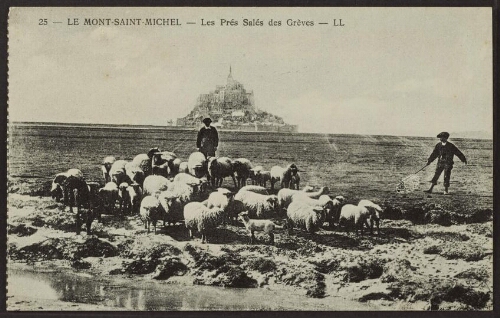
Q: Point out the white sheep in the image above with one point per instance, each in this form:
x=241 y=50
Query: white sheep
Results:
x=106 y=166
x=118 y=173
x=263 y=177
x=144 y=160
x=252 y=225
x=305 y=216
x=354 y=215
x=58 y=189
x=241 y=168
x=258 y=205
x=200 y=185
x=153 y=185
x=197 y=164
x=283 y=175
x=151 y=211
x=108 y=196
x=201 y=218
x=162 y=163
x=255 y=188
x=285 y=195
x=375 y=211
x=254 y=174
x=221 y=199
x=135 y=196
x=218 y=169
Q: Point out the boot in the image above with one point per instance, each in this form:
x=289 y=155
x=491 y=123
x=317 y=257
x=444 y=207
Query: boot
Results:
x=430 y=189
x=446 y=191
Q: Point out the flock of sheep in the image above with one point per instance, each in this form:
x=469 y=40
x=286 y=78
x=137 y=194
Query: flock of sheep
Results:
x=159 y=186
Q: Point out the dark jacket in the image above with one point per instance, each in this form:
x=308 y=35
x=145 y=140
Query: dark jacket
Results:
x=445 y=154
x=208 y=139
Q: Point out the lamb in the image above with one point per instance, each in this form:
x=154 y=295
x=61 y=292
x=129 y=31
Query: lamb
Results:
x=123 y=197
x=197 y=164
x=263 y=177
x=241 y=167
x=58 y=189
x=305 y=216
x=134 y=173
x=283 y=175
x=108 y=196
x=334 y=216
x=201 y=218
x=153 y=185
x=151 y=211
x=375 y=211
x=285 y=195
x=106 y=166
x=258 y=205
x=255 y=188
x=218 y=169
x=266 y=226
x=254 y=175
x=117 y=172
x=354 y=214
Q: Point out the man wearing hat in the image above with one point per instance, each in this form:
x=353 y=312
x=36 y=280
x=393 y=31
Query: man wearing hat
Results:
x=208 y=139
x=444 y=151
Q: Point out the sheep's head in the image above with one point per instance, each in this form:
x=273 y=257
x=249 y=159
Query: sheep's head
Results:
x=56 y=192
x=308 y=188
x=324 y=190
x=340 y=198
x=273 y=201
x=152 y=151
x=243 y=216
x=320 y=211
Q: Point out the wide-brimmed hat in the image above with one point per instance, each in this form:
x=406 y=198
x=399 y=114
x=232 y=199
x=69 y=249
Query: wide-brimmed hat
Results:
x=207 y=120
x=443 y=134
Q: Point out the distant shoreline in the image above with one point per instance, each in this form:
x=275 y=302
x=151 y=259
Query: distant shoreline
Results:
x=138 y=127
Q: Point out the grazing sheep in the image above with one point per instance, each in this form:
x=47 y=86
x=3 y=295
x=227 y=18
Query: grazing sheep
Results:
x=375 y=211
x=151 y=211
x=258 y=205
x=79 y=195
x=334 y=215
x=200 y=184
x=305 y=216
x=58 y=189
x=135 y=196
x=324 y=201
x=134 y=173
x=123 y=197
x=241 y=167
x=285 y=196
x=252 y=225
x=254 y=175
x=106 y=166
x=183 y=167
x=108 y=196
x=283 y=175
x=263 y=177
x=118 y=173
x=201 y=218
x=218 y=169
x=197 y=164
x=255 y=188
x=354 y=215
x=153 y=185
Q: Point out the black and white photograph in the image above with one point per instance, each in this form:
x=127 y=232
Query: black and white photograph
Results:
x=250 y=159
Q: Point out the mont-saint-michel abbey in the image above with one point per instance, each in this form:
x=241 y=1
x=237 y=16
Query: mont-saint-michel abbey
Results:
x=232 y=107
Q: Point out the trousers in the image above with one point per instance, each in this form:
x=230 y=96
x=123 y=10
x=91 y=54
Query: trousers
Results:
x=447 y=174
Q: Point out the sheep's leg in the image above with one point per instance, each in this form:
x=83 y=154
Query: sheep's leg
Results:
x=148 y=226
x=154 y=225
x=203 y=237
x=190 y=234
x=252 y=237
x=271 y=237
x=90 y=219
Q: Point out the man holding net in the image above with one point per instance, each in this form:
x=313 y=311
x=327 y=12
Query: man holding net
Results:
x=444 y=151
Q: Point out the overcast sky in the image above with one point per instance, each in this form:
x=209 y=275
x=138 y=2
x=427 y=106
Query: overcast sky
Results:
x=396 y=71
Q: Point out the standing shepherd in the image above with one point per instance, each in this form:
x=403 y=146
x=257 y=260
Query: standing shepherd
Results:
x=444 y=151
x=208 y=139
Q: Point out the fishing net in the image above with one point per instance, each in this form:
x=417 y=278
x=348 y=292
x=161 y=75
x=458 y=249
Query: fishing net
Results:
x=408 y=184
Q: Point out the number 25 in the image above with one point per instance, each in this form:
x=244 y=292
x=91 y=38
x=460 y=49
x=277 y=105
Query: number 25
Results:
x=42 y=21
